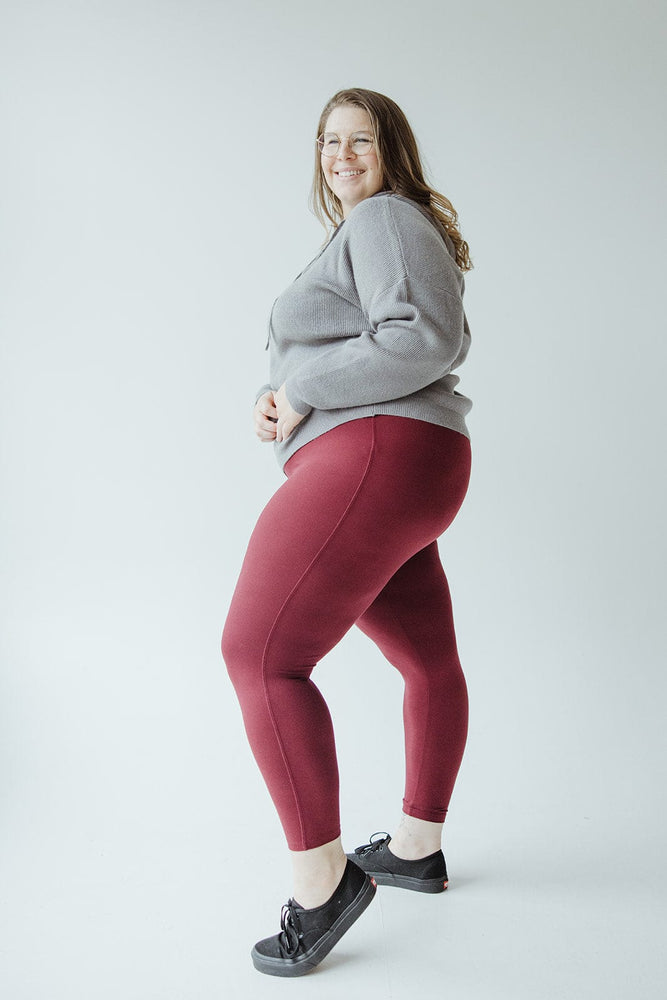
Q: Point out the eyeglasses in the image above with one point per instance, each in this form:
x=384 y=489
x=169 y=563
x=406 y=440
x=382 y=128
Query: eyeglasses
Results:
x=360 y=143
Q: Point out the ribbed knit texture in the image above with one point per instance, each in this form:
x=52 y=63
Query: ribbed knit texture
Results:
x=374 y=324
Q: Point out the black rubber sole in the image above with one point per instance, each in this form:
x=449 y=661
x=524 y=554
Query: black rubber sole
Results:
x=405 y=881
x=408 y=882
x=306 y=962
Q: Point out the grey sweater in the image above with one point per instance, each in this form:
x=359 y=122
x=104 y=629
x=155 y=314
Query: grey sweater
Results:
x=374 y=324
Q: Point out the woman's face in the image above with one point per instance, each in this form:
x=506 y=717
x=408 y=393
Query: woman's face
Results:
x=349 y=176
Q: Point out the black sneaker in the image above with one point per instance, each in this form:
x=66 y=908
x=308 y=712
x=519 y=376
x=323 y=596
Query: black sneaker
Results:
x=424 y=875
x=307 y=936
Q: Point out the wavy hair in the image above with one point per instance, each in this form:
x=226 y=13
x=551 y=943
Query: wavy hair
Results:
x=400 y=162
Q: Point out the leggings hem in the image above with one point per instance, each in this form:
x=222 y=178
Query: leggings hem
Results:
x=306 y=846
x=430 y=815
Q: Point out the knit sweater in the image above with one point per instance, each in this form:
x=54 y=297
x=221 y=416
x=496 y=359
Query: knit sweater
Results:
x=373 y=325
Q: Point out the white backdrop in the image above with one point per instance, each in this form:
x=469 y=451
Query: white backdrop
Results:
x=146 y=230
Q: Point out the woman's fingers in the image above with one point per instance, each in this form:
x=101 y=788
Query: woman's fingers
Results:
x=265 y=429
x=288 y=418
x=267 y=404
x=287 y=424
x=274 y=417
x=265 y=416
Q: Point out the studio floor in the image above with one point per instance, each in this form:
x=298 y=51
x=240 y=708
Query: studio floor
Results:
x=170 y=919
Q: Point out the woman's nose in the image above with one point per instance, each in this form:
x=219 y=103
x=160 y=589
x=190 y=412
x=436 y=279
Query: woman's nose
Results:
x=345 y=149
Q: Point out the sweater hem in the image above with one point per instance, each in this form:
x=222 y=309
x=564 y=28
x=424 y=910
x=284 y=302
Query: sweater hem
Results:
x=320 y=421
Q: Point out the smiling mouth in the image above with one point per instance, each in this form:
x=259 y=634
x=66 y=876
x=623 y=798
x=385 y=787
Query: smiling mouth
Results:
x=349 y=173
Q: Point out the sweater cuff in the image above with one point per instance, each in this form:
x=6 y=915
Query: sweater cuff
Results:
x=296 y=402
x=260 y=392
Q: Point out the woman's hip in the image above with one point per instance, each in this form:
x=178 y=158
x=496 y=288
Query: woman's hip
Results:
x=368 y=493
x=397 y=466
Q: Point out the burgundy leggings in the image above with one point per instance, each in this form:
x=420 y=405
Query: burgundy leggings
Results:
x=350 y=538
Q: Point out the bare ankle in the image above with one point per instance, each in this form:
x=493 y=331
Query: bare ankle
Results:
x=415 y=839
x=317 y=873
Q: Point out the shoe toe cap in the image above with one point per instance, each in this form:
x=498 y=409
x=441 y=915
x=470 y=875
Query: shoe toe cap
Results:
x=269 y=947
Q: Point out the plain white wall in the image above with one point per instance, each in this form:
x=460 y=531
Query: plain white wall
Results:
x=155 y=172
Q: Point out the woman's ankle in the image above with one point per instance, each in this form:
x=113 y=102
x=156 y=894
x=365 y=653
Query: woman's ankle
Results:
x=416 y=838
x=317 y=873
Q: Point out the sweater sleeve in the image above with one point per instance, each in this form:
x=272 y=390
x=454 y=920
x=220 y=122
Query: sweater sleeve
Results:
x=409 y=291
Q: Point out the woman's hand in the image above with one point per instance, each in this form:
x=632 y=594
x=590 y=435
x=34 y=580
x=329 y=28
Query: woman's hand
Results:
x=288 y=418
x=265 y=416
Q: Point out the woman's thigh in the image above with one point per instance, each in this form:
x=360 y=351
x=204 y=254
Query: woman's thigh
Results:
x=358 y=502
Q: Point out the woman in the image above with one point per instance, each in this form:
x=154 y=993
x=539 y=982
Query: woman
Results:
x=371 y=435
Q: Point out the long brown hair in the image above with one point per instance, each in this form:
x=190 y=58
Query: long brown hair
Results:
x=401 y=166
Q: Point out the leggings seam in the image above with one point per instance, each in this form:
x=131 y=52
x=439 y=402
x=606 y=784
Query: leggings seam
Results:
x=281 y=610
